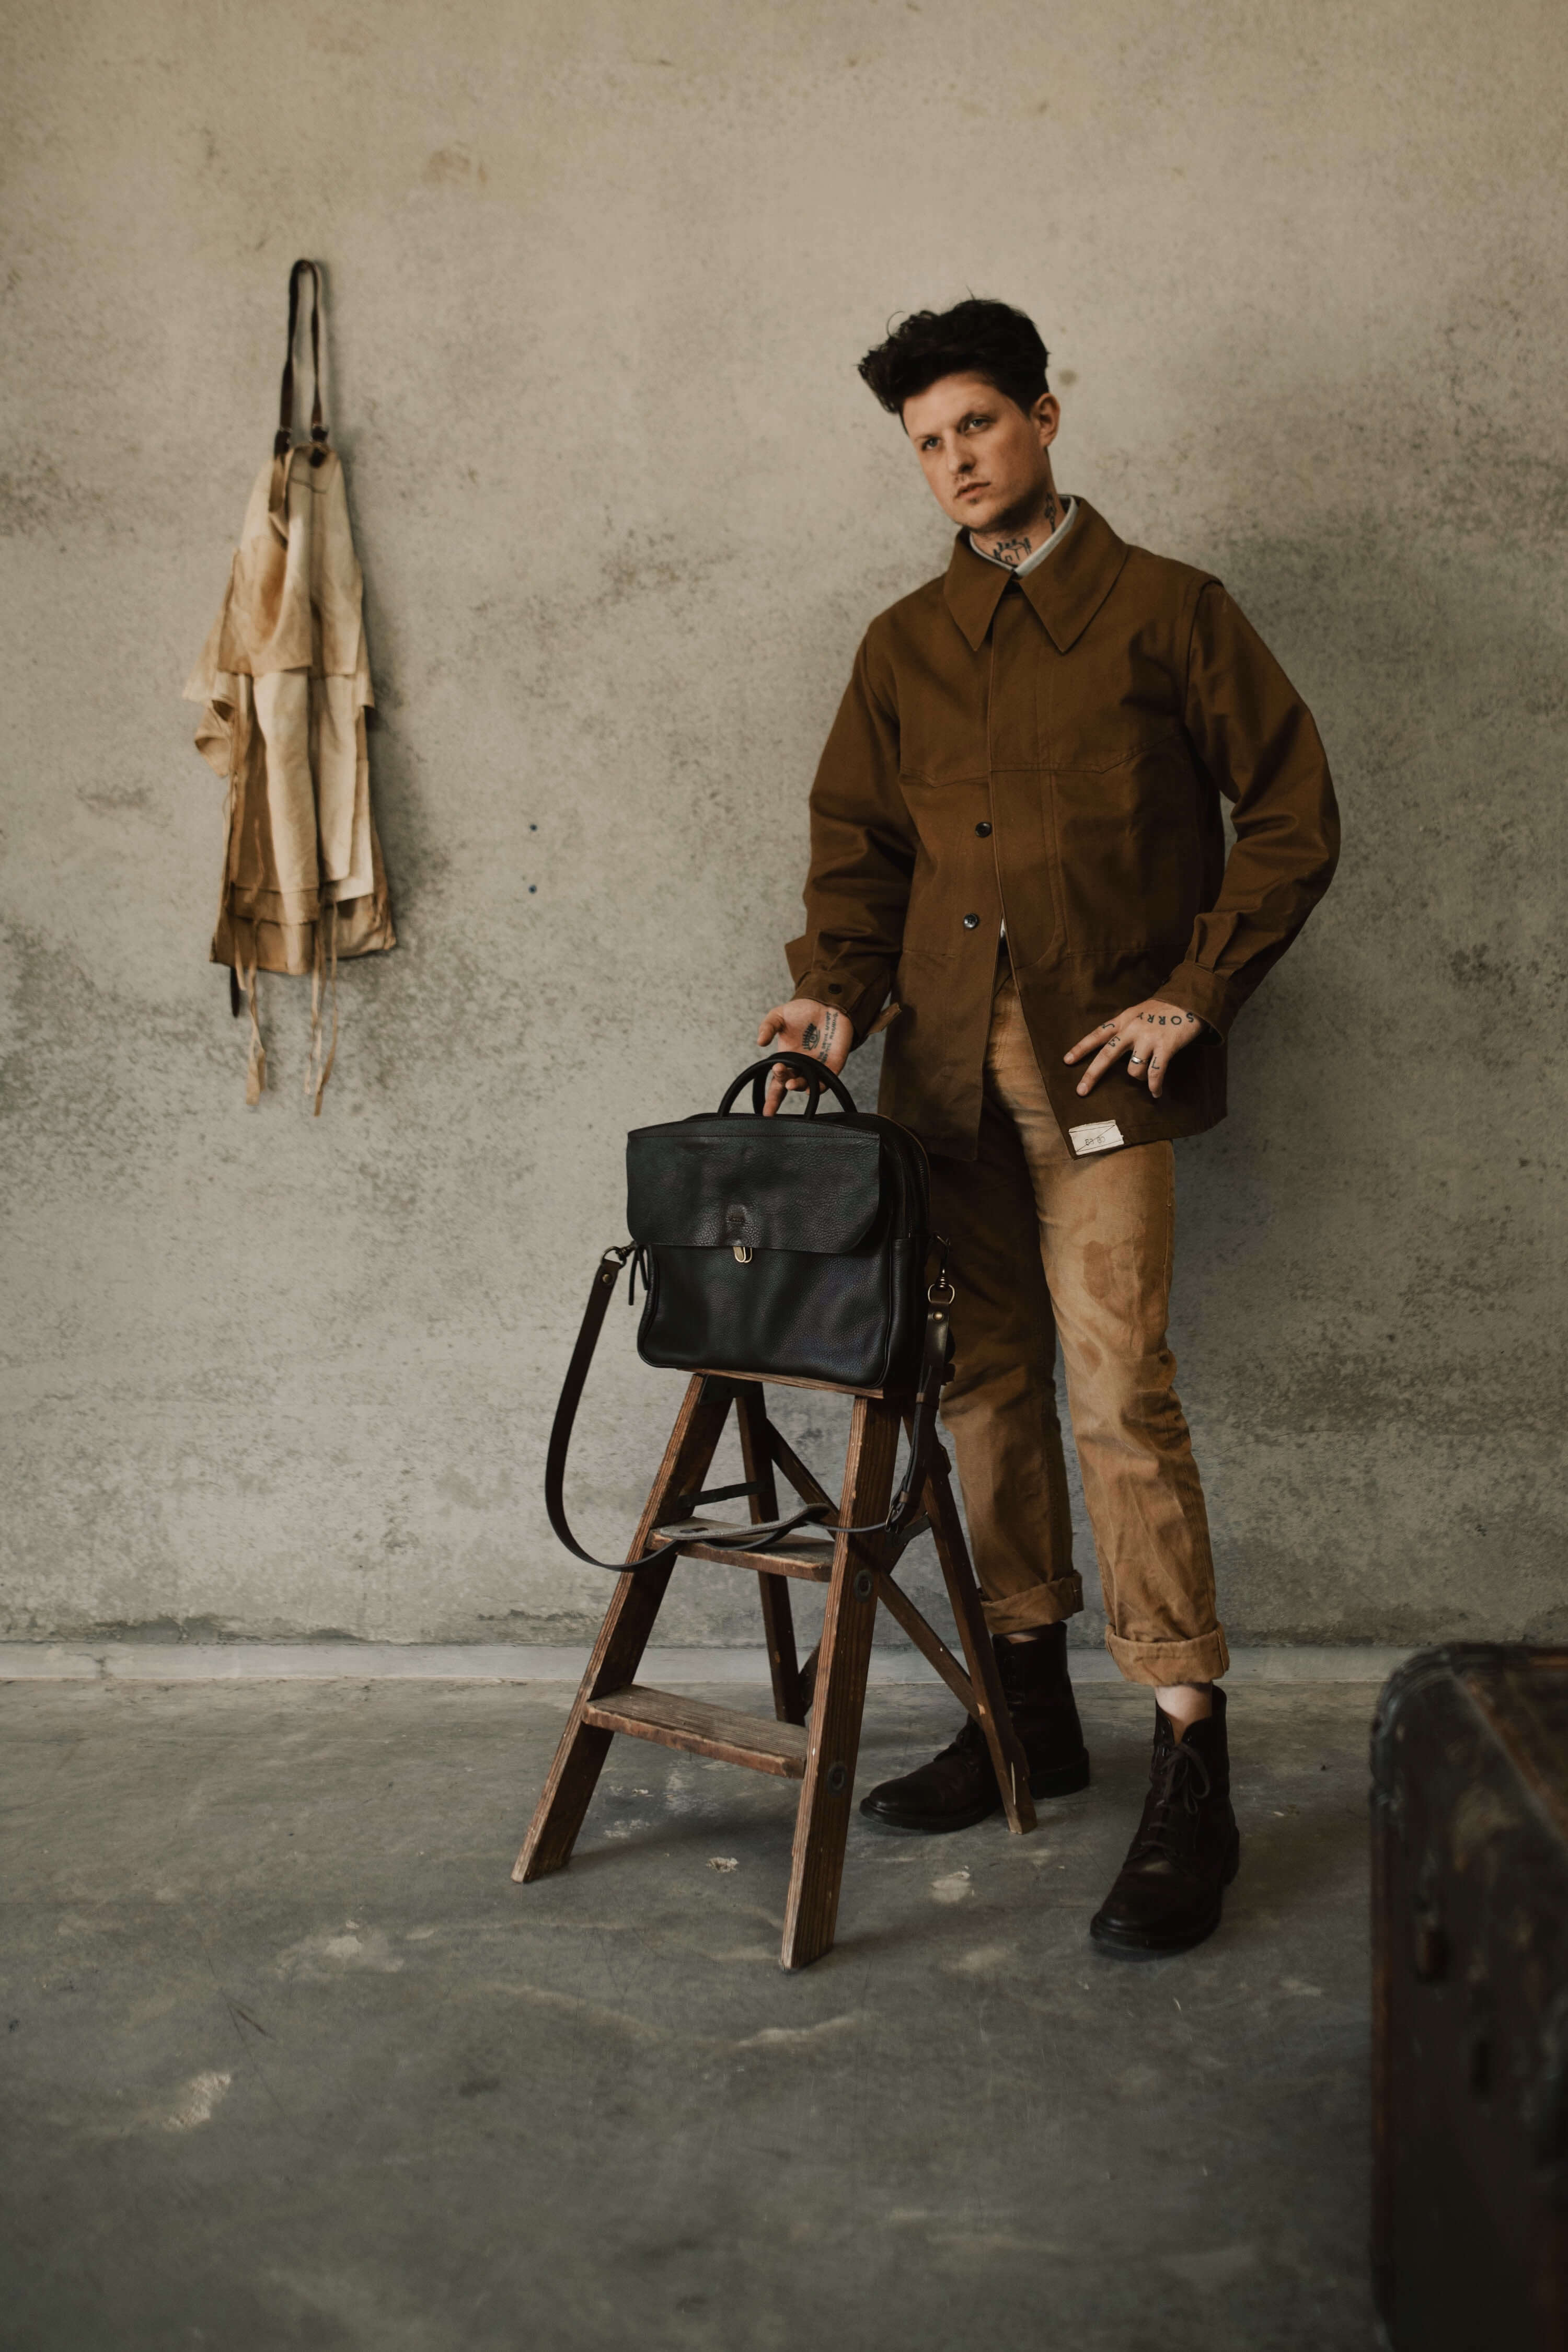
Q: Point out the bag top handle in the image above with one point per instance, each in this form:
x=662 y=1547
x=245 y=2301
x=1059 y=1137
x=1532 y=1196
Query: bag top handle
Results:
x=283 y=440
x=816 y=1073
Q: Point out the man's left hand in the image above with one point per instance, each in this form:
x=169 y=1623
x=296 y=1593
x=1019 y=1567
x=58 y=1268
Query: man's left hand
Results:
x=1150 y=1035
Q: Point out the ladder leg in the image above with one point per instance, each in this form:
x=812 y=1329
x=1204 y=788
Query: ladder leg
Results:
x=778 y=1629
x=623 y=1637
x=778 y=1620
x=810 y=1490
x=822 y=1824
x=963 y=1595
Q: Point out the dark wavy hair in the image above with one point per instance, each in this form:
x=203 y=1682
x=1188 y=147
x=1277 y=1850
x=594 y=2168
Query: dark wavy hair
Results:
x=974 y=338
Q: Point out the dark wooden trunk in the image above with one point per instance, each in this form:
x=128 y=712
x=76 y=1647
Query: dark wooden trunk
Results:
x=1469 y=1812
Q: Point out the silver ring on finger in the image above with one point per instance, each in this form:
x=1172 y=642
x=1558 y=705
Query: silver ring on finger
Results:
x=1134 y=1061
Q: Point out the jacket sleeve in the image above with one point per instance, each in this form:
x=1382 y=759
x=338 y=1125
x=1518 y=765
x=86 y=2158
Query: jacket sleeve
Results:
x=862 y=857
x=1257 y=739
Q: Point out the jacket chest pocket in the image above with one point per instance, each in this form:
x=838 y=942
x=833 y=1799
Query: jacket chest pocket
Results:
x=1090 y=742
x=1128 y=840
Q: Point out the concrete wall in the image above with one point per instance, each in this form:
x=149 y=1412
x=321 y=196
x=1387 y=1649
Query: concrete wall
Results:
x=599 y=271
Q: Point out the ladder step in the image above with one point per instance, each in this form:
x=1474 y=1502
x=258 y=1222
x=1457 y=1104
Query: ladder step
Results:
x=805 y=1557
x=692 y=1723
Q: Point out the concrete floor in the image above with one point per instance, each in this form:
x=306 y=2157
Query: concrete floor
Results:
x=291 y=2063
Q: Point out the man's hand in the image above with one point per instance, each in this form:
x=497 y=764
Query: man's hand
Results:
x=803 y=1026
x=1149 y=1033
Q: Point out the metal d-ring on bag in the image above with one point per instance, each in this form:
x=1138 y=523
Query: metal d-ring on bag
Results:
x=792 y=1249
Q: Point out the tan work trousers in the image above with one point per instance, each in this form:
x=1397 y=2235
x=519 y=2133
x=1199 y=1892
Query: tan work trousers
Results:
x=1048 y=1246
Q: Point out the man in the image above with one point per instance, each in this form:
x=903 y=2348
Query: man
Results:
x=1016 y=836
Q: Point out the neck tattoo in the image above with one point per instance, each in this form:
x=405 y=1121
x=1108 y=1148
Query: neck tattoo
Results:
x=1018 y=546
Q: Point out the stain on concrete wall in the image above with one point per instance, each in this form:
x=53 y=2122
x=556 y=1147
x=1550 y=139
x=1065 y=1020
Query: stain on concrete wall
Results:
x=598 y=274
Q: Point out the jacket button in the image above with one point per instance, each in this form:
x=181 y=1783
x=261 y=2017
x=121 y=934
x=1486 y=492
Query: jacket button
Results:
x=971 y=922
x=983 y=828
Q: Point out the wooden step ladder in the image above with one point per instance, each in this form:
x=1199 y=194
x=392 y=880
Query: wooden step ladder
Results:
x=830 y=1687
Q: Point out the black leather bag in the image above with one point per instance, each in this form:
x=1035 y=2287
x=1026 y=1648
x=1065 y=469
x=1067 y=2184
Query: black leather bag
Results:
x=791 y=1249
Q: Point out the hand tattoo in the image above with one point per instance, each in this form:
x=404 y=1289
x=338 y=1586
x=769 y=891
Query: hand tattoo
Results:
x=812 y=1033
x=828 y=1031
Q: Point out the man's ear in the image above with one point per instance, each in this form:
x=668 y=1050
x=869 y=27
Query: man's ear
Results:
x=1047 y=415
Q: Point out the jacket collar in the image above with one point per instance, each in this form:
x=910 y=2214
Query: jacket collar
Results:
x=1066 y=592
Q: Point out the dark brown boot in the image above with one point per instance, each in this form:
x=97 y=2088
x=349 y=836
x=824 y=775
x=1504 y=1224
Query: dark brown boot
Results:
x=1186 y=1851
x=959 y=1787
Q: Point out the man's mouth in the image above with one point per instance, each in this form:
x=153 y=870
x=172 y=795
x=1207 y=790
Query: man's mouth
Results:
x=973 y=490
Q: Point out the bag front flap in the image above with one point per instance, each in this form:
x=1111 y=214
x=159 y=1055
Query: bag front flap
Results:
x=775 y=1183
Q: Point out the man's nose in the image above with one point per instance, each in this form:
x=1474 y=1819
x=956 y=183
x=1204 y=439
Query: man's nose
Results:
x=960 y=460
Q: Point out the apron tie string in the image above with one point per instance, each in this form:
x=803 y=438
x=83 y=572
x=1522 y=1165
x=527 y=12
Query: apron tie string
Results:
x=318 y=1072
x=245 y=973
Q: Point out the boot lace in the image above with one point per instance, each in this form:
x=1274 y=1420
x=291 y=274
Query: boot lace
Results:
x=968 y=1738
x=1181 y=1782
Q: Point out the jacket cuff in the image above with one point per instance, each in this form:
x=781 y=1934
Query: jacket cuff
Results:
x=1202 y=992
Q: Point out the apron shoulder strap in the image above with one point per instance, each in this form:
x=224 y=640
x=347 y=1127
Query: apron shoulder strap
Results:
x=283 y=440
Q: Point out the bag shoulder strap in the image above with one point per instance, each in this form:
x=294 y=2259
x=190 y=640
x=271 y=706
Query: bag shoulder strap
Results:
x=754 y=1536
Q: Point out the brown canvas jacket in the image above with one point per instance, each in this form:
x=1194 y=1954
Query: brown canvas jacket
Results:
x=1050 y=753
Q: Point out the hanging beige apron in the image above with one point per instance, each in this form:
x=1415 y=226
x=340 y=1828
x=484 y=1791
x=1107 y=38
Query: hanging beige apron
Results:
x=285 y=684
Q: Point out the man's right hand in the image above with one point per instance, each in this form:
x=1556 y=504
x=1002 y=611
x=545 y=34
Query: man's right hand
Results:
x=803 y=1026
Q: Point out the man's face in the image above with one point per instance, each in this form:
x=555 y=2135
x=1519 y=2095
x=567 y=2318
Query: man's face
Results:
x=985 y=457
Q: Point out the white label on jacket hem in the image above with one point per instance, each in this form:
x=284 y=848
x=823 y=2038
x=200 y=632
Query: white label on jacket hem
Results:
x=1103 y=1135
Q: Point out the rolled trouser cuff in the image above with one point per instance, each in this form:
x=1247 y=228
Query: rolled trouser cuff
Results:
x=1038 y=1604
x=1164 y=1663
